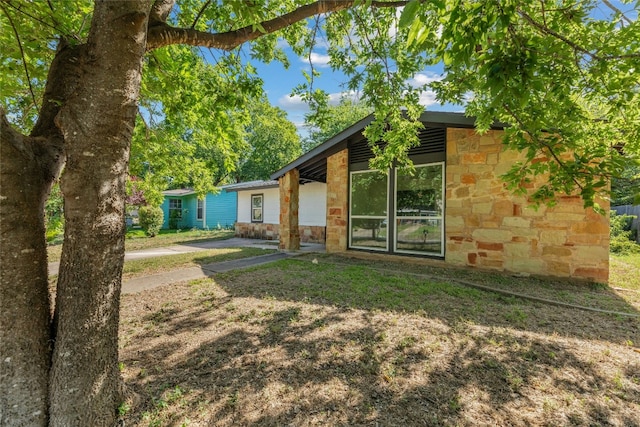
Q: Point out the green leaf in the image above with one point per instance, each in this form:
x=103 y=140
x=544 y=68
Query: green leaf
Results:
x=409 y=13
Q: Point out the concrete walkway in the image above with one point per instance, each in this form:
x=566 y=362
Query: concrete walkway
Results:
x=207 y=270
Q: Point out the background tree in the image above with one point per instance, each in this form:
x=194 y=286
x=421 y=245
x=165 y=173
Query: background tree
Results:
x=332 y=120
x=272 y=140
x=72 y=82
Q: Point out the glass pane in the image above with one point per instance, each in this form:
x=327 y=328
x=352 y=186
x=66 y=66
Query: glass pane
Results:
x=369 y=194
x=369 y=233
x=419 y=235
x=420 y=195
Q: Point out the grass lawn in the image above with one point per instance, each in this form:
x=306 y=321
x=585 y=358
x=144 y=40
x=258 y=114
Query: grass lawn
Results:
x=136 y=240
x=358 y=342
x=624 y=271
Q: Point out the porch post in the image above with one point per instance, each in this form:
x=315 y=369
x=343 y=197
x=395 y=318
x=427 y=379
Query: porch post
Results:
x=337 y=201
x=289 y=186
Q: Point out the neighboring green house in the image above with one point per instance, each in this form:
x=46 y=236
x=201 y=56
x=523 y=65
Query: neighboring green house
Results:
x=182 y=209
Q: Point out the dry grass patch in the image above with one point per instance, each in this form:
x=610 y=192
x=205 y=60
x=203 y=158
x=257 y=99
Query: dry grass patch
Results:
x=148 y=266
x=295 y=343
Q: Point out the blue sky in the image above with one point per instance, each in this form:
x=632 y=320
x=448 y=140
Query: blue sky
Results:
x=279 y=82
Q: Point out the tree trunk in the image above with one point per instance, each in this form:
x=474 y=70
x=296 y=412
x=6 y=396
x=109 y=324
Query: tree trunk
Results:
x=24 y=302
x=97 y=123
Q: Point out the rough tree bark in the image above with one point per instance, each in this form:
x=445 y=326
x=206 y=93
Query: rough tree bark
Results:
x=97 y=123
x=29 y=166
x=88 y=112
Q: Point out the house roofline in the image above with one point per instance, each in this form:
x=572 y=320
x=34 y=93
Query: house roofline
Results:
x=429 y=118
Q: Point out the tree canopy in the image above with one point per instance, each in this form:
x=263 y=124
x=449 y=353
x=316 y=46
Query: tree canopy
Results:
x=77 y=75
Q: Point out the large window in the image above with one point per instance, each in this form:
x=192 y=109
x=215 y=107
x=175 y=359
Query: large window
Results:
x=399 y=212
x=175 y=208
x=418 y=210
x=256 y=207
x=368 y=213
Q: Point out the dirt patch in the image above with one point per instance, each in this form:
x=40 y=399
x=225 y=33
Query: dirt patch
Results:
x=296 y=343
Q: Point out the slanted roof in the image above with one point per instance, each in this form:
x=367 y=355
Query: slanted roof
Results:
x=251 y=185
x=179 y=192
x=313 y=164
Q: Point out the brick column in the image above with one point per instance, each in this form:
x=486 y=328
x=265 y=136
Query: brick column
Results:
x=289 y=199
x=337 y=196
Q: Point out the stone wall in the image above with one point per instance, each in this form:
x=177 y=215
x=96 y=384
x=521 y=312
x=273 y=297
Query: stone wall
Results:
x=289 y=185
x=337 y=196
x=257 y=230
x=488 y=227
x=308 y=233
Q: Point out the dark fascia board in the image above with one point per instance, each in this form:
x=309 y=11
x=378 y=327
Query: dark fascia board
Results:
x=325 y=146
x=249 y=186
x=429 y=118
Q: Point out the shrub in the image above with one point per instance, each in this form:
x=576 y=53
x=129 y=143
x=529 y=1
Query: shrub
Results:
x=151 y=218
x=621 y=237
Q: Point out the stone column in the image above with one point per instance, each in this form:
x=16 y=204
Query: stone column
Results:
x=337 y=197
x=289 y=185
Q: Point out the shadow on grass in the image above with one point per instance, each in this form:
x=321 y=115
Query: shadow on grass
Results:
x=295 y=343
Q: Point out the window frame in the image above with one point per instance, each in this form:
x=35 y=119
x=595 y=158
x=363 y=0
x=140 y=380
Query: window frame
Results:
x=435 y=217
x=373 y=217
x=255 y=209
x=178 y=202
x=199 y=209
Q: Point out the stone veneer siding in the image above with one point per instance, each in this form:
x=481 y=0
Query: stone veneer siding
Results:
x=488 y=227
x=289 y=185
x=337 y=196
x=249 y=230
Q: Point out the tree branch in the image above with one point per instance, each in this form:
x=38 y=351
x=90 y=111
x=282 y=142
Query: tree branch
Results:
x=162 y=34
x=200 y=12
x=24 y=60
x=548 y=31
x=160 y=11
x=623 y=17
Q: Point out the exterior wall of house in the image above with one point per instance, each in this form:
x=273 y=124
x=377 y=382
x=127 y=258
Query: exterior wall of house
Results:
x=311 y=220
x=313 y=204
x=488 y=227
x=188 y=211
x=220 y=209
x=337 y=201
x=270 y=201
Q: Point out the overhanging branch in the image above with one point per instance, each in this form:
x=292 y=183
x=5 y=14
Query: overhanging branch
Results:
x=162 y=34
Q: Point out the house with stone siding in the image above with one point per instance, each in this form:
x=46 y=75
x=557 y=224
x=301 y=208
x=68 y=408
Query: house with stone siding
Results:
x=455 y=207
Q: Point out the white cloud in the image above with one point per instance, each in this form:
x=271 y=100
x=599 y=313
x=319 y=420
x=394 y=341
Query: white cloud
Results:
x=296 y=103
x=427 y=98
x=422 y=79
x=317 y=59
x=292 y=103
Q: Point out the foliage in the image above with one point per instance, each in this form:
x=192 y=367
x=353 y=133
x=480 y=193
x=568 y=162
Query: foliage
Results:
x=329 y=122
x=151 y=218
x=563 y=78
x=622 y=240
x=54 y=213
x=190 y=132
x=272 y=141
x=625 y=189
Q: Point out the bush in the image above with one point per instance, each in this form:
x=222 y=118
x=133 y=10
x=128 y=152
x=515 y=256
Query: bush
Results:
x=622 y=240
x=151 y=218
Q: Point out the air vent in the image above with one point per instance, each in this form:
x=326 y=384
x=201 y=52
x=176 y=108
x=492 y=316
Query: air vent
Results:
x=432 y=141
